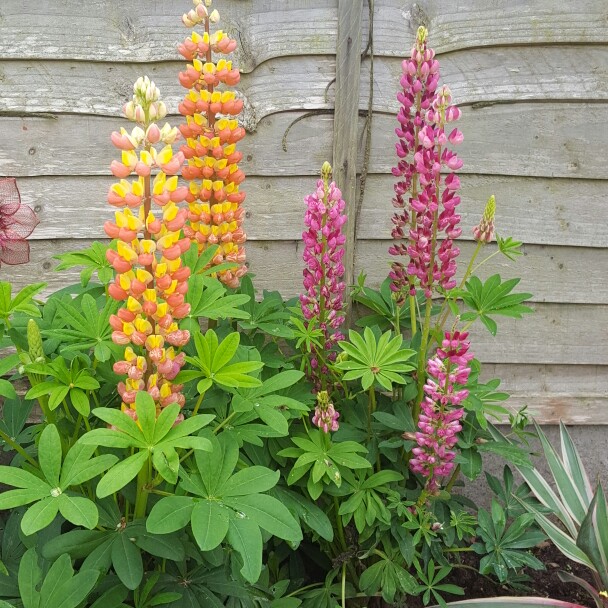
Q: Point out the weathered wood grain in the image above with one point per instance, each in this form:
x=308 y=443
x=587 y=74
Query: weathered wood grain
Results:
x=524 y=139
x=576 y=394
x=534 y=210
x=294 y=83
x=546 y=379
x=346 y=114
x=150 y=31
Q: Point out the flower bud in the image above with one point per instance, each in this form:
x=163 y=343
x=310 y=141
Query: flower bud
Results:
x=34 y=341
x=214 y=17
x=484 y=232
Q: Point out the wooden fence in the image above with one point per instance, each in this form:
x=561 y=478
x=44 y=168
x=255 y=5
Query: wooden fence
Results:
x=530 y=76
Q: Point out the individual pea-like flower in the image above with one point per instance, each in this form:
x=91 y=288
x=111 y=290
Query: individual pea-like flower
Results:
x=17 y=222
x=439 y=421
x=151 y=279
x=425 y=200
x=323 y=299
x=325 y=416
x=211 y=132
x=484 y=231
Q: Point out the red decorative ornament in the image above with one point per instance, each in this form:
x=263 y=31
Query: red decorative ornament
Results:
x=17 y=222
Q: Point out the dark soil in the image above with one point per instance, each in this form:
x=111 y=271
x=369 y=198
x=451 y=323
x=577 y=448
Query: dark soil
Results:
x=542 y=583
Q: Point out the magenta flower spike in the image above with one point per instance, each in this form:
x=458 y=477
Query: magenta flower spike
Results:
x=325 y=416
x=439 y=421
x=17 y=222
x=425 y=199
x=324 y=288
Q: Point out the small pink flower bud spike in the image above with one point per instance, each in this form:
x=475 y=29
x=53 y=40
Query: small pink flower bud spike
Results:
x=484 y=231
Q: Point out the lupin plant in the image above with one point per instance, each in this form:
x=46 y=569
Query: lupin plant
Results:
x=151 y=279
x=322 y=302
x=211 y=132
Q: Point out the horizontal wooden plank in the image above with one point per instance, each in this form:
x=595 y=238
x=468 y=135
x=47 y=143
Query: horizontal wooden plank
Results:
x=556 y=211
x=555 y=334
x=117 y=31
x=545 y=379
x=474 y=76
x=524 y=139
x=575 y=394
x=569 y=408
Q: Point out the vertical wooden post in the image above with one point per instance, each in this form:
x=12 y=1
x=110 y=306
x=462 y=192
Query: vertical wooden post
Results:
x=346 y=118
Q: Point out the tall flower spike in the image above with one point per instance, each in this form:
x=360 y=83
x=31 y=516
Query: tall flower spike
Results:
x=151 y=280
x=215 y=213
x=484 y=231
x=425 y=201
x=439 y=422
x=17 y=222
x=322 y=300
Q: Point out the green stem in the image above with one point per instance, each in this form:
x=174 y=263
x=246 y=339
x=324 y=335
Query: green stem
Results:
x=412 y=300
x=339 y=526
x=486 y=260
x=141 y=500
x=397 y=313
x=344 y=585
x=198 y=404
x=453 y=478
x=443 y=313
x=371 y=403
x=76 y=429
x=422 y=358
x=66 y=409
x=10 y=441
x=224 y=423
x=306 y=588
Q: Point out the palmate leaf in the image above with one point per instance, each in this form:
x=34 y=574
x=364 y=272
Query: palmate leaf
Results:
x=86 y=326
x=207 y=298
x=493 y=298
x=214 y=363
x=226 y=505
x=22 y=302
x=93 y=259
x=372 y=359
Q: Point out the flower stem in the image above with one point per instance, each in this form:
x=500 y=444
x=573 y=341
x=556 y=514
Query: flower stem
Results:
x=10 y=441
x=141 y=500
x=198 y=404
x=453 y=478
x=422 y=358
x=412 y=300
x=343 y=584
x=339 y=526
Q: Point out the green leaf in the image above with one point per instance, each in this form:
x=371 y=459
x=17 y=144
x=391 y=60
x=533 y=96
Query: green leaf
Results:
x=587 y=540
x=19 y=478
x=470 y=463
x=210 y=523
x=217 y=466
x=18 y=498
x=251 y=480
x=29 y=577
x=246 y=539
x=170 y=514
x=268 y=513
x=146 y=414
x=80 y=401
x=127 y=562
x=49 y=454
x=71 y=593
x=78 y=510
x=39 y=515
x=121 y=474
x=166 y=462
